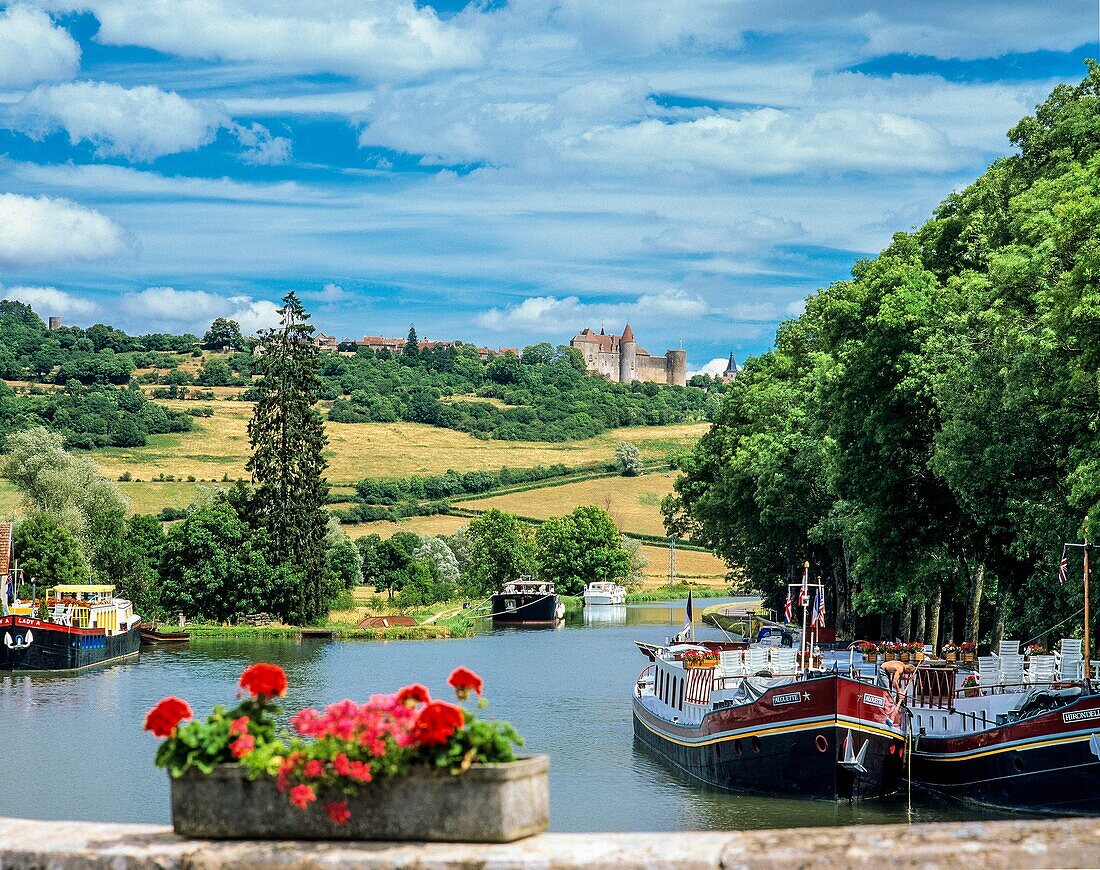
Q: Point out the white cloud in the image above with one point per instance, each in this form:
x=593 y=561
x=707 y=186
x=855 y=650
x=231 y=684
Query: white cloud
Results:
x=195 y=309
x=140 y=123
x=260 y=147
x=254 y=315
x=764 y=142
x=47 y=301
x=715 y=367
x=329 y=293
x=40 y=231
x=33 y=49
x=553 y=314
x=379 y=40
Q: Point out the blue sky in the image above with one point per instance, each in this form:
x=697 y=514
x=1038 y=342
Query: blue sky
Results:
x=504 y=171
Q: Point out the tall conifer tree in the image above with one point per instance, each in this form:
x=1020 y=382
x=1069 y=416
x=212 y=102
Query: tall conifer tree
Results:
x=287 y=435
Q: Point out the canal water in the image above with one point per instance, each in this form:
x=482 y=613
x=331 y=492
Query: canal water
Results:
x=72 y=747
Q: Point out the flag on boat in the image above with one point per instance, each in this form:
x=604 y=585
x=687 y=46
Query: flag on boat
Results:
x=689 y=619
x=788 y=608
x=819 y=610
x=804 y=594
x=1063 y=567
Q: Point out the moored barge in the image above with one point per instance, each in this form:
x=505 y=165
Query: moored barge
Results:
x=82 y=626
x=750 y=720
x=527 y=602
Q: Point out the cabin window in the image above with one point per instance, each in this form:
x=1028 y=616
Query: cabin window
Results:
x=944 y=723
x=680 y=693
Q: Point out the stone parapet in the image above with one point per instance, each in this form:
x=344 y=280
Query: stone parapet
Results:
x=91 y=845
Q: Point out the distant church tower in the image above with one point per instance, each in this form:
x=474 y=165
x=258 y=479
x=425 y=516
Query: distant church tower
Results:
x=628 y=356
x=732 y=369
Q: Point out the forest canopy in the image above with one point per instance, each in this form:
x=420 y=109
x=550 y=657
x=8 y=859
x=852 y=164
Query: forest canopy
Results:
x=926 y=433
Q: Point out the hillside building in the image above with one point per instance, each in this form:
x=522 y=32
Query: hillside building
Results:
x=732 y=370
x=618 y=358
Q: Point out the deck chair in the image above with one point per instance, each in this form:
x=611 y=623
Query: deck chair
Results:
x=784 y=660
x=732 y=662
x=989 y=672
x=1071 y=660
x=1008 y=648
x=1040 y=669
x=1012 y=671
x=756 y=660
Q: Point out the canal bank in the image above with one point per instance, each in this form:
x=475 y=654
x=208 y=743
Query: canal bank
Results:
x=28 y=844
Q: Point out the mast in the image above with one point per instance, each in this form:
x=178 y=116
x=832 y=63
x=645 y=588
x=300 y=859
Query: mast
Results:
x=1088 y=661
x=805 y=602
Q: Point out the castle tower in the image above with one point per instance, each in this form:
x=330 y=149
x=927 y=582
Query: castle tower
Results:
x=676 y=367
x=628 y=356
x=731 y=369
x=55 y=324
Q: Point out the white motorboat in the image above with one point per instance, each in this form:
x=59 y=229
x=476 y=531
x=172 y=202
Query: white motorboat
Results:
x=604 y=592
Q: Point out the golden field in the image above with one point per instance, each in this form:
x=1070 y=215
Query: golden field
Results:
x=634 y=503
x=219 y=446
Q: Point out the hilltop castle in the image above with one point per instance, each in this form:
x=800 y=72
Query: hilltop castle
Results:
x=618 y=358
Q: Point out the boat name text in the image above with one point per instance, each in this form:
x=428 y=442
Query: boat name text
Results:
x=874 y=700
x=789 y=698
x=1078 y=715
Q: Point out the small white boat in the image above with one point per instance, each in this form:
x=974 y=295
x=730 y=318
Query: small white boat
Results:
x=604 y=592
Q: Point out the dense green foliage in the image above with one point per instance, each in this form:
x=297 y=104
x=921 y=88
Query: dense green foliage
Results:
x=49 y=553
x=502 y=548
x=926 y=432
x=547 y=396
x=580 y=548
x=287 y=435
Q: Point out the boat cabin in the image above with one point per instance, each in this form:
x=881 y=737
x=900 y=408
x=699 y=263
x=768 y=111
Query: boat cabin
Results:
x=90 y=605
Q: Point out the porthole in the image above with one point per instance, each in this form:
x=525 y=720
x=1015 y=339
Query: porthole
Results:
x=1018 y=762
x=756 y=744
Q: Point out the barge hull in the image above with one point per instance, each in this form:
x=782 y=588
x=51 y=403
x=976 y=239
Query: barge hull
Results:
x=1045 y=764
x=56 y=647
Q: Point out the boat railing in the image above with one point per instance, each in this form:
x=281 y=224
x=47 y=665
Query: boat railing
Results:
x=642 y=681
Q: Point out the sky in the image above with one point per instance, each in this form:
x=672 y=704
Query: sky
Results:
x=500 y=171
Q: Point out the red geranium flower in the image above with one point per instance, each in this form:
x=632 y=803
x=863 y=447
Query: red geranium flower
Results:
x=302 y=796
x=338 y=811
x=166 y=716
x=314 y=768
x=437 y=722
x=239 y=726
x=463 y=680
x=264 y=681
x=242 y=746
x=414 y=694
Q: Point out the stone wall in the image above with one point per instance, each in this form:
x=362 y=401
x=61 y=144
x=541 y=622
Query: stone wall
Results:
x=1049 y=843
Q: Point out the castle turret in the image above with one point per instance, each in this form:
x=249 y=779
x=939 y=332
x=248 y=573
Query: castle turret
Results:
x=676 y=367
x=731 y=369
x=628 y=356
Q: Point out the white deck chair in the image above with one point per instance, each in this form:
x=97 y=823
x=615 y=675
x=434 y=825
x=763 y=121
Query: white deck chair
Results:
x=1009 y=648
x=784 y=660
x=756 y=660
x=989 y=672
x=1071 y=661
x=1012 y=671
x=732 y=662
x=1040 y=669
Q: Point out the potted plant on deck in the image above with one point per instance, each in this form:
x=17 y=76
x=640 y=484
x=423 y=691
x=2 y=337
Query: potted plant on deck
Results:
x=398 y=767
x=1035 y=649
x=699 y=659
x=869 y=650
x=967 y=650
x=950 y=652
x=969 y=687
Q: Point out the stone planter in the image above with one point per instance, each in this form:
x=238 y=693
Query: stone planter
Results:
x=489 y=803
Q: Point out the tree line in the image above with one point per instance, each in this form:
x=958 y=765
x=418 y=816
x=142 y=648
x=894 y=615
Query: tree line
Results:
x=926 y=433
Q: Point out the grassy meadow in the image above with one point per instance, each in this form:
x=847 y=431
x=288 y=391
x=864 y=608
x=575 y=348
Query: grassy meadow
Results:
x=218 y=446
x=633 y=502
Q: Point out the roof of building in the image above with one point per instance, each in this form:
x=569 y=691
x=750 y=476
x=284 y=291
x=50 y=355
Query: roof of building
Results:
x=607 y=343
x=628 y=334
x=731 y=366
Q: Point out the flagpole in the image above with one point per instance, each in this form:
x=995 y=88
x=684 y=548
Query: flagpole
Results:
x=804 y=595
x=1088 y=662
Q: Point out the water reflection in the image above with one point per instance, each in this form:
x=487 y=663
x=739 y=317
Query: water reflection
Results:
x=605 y=614
x=567 y=690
